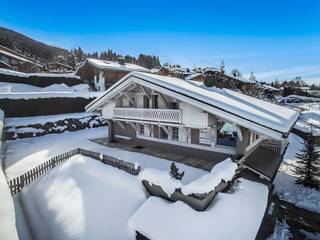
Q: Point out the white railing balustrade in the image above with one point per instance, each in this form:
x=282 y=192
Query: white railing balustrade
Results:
x=149 y=114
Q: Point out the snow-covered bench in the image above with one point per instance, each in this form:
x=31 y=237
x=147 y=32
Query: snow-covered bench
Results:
x=198 y=193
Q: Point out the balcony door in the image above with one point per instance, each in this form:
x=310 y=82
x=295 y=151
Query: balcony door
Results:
x=155 y=101
x=146 y=103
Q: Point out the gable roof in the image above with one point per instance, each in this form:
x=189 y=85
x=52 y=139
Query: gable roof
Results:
x=18 y=56
x=236 y=107
x=110 y=65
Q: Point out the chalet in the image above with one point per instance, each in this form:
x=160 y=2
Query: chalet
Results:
x=16 y=61
x=101 y=74
x=172 y=113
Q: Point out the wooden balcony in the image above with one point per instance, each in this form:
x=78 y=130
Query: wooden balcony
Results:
x=149 y=114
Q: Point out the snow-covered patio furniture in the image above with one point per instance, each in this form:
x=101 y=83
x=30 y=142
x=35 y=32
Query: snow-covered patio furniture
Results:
x=198 y=193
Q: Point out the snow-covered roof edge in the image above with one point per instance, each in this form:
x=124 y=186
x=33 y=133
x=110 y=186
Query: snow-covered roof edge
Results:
x=111 y=65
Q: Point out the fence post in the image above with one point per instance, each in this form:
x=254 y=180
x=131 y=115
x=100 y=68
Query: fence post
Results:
x=22 y=181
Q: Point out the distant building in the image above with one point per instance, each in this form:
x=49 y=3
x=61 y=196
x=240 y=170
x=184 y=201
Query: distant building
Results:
x=59 y=67
x=199 y=77
x=101 y=74
x=16 y=61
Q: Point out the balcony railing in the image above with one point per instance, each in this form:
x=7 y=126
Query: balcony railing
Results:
x=148 y=114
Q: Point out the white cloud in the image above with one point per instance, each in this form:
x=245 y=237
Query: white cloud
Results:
x=310 y=74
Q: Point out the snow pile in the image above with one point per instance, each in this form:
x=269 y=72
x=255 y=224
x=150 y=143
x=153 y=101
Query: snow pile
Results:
x=82 y=199
x=38 y=126
x=235 y=215
x=281 y=231
x=35 y=95
x=160 y=178
x=312 y=117
x=224 y=170
x=22 y=74
x=7 y=214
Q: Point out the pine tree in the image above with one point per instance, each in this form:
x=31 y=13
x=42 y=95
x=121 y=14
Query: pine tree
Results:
x=174 y=172
x=308 y=165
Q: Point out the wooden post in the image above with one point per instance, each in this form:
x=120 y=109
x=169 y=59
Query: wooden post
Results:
x=110 y=131
x=242 y=144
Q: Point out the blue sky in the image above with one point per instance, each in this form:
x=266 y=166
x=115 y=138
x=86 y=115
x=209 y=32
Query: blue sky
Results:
x=274 y=39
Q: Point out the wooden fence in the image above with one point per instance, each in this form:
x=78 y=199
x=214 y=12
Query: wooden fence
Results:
x=25 y=179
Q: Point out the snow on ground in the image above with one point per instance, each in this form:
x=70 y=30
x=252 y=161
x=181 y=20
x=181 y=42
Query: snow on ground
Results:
x=6 y=87
x=23 y=121
x=285 y=185
x=49 y=94
x=281 y=231
x=83 y=199
x=309 y=122
x=22 y=74
x=24 y=154
x=160 y=178
x=236 y=215
x=7 y=213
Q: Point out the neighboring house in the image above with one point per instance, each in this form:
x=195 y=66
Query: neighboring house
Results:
x=59 y=67
x=102 y=74
x=17 y=61
x=157 y=110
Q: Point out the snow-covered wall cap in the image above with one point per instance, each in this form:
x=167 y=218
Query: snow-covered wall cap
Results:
x=224 y=170
x=104 y=65
x=235 y=107
x=160 y=178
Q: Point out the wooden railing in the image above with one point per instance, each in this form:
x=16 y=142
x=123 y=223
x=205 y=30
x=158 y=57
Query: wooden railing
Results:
x=273 y=145
x=149 y=114
x=26 y=178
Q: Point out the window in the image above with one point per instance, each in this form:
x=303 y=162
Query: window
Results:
x=163 y=133
x=145 y=101
x=141 y=129
x=174 y=105
x=226 y=134
x=175 y=133
x=155 y=101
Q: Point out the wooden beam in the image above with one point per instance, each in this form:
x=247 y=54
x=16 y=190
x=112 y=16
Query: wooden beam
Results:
x=133 y=125
x=165 y=100
x=147 y=126
x=145 y=92
x=120 y=124
x=185 y=131
x=240 y=137
x=130 y=100
x=165 y=129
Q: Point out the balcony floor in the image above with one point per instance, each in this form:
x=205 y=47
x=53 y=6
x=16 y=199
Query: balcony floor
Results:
x=189 y=156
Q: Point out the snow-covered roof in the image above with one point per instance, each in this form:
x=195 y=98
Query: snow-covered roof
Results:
x=232 y=106
x=105 y=65
x=38 y=74
x=193 y=76
x=20 y=57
